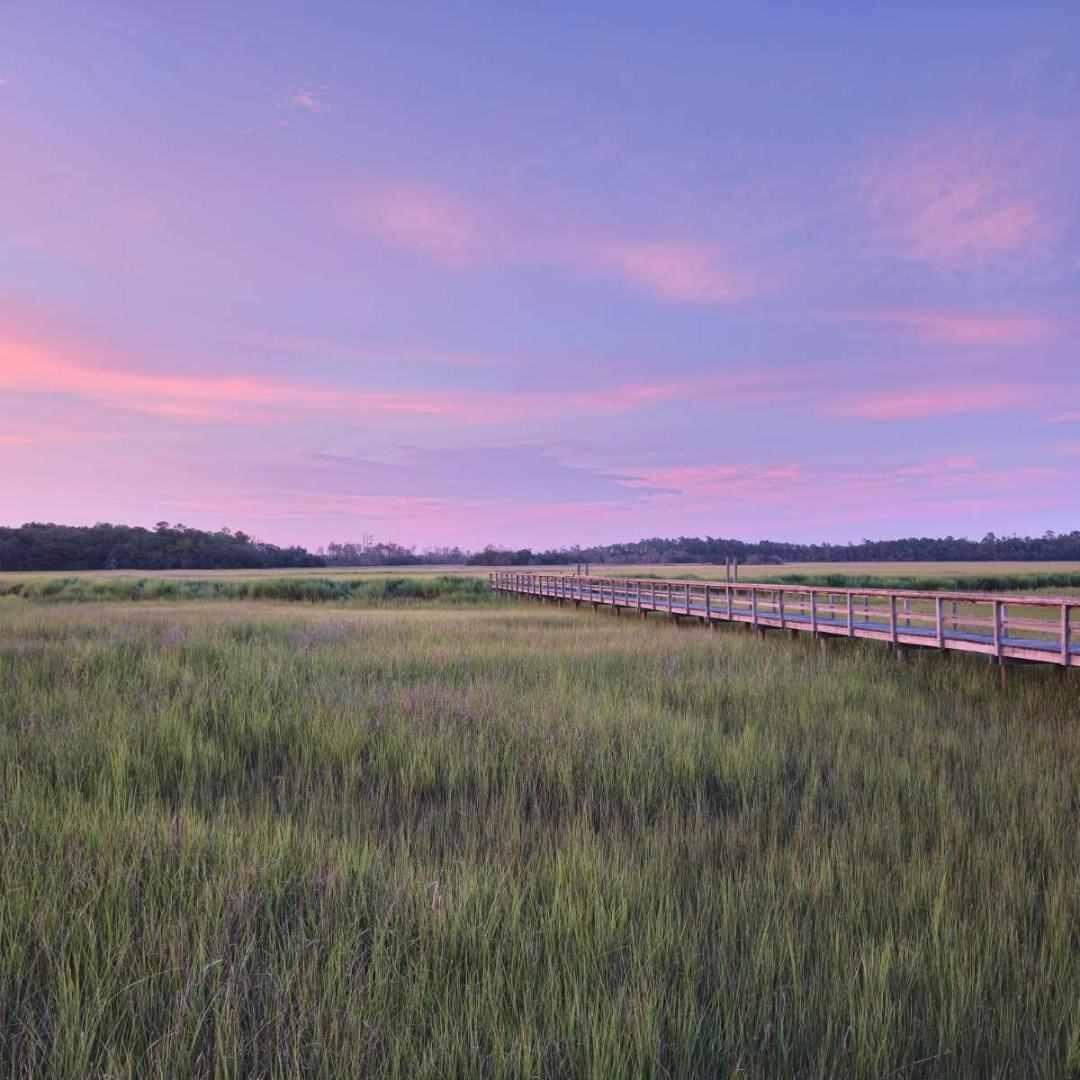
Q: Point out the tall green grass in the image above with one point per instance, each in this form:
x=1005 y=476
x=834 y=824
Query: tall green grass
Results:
x=995 y=582
x=991 y=582
x=361 y=591
x=515 y=841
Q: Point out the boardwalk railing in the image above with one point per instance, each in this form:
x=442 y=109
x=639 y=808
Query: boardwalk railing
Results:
x=1037 y=628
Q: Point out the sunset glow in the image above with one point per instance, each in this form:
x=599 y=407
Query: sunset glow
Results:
x=541 y=279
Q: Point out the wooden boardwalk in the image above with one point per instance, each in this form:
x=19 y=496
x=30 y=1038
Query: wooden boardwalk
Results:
x=1037 y=629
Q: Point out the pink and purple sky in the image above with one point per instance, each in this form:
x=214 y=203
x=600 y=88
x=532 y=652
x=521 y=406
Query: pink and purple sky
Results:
x=541 y=274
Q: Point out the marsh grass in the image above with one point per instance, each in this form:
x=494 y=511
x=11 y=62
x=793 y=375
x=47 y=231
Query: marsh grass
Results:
x=854 y=571
x=1024 y=581
x=520 y=841
x=364 y=591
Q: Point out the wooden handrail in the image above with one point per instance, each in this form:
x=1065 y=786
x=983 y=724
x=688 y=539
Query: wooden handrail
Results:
x=836 y=590
x=983 y=624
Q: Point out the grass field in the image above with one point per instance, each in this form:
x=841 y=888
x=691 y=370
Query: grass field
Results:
x=468 y=584
x=367 y=590
x=856 y=569
x=502 y=840
x=710 y=571
x=944 y=576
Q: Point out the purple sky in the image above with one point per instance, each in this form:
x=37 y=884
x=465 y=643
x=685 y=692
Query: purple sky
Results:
x=541 y=274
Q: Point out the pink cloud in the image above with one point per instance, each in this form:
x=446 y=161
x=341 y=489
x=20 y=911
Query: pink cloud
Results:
x=308 y=100
x=37 y=365
x=962 y=328
x=459 y=235
x=317 y=348
x=40 y=434
x=935 y=402
x=420 y=219
x=32 y=367
x=683 y=273
x=718 y=480
x=776 y=498
x=698 y=478
x=734 y=390
x=940 y=466
x=958 y=200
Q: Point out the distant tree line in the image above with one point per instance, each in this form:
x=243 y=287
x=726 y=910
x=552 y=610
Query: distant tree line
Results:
x=691 y=549
x=371 y=552
x=38 y=546
x=45 y=546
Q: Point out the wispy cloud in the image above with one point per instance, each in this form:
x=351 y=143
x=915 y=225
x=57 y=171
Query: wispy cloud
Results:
x=901 y=404
x=958 y=199
x=962 y=328
x=870 y=494
x=308 y=100
x=313 y=349
x=516 y=473
x=679 y=272
x=87 y=371
x=718 y=480
x=422 y=220
x=460 y=235
x=943 y=466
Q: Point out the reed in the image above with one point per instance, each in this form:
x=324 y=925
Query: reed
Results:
x=500 y=840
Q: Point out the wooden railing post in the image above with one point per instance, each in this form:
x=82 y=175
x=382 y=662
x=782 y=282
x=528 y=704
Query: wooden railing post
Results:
x=769 y=604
